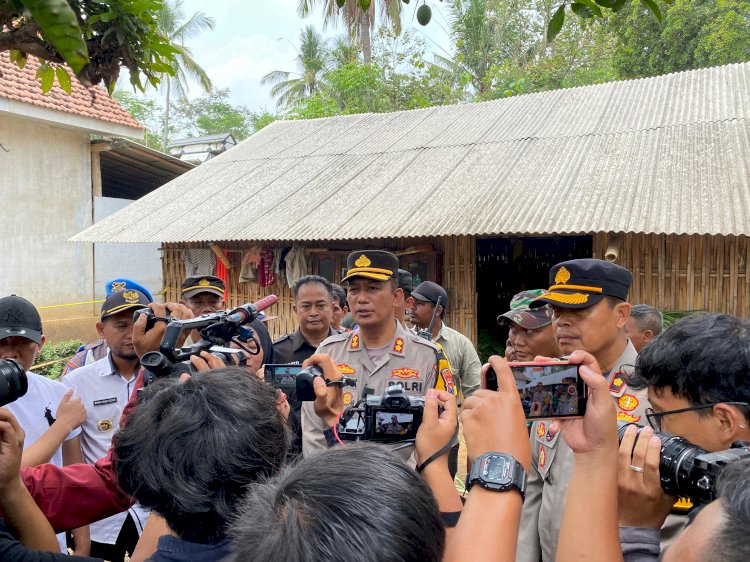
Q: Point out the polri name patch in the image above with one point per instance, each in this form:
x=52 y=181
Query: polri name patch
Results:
x=104 y=401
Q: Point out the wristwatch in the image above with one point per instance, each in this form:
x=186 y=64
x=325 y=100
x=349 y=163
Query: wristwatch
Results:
x=498 y=472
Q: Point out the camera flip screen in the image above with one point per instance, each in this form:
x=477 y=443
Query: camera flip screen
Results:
x=282 y=376
x=394 y=424
x=549 y=390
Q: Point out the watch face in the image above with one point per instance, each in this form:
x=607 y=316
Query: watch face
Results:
x=497 y=469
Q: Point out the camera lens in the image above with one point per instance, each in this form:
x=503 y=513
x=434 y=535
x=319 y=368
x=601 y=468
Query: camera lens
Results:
x=13 y=381
x=676 y=464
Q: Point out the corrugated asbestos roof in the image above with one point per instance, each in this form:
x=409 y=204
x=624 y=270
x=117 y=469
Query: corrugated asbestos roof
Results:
x=669 y=154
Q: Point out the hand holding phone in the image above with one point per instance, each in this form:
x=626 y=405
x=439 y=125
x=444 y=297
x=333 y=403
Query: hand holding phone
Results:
x=549 y=389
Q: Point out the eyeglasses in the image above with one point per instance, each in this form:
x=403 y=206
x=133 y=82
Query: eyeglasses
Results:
x=654 y=419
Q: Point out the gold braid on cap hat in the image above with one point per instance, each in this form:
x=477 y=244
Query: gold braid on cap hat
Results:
x=575 y=298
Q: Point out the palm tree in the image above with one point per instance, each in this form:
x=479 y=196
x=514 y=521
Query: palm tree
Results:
x=359 y=22
x=313 y=61
x=177 y=29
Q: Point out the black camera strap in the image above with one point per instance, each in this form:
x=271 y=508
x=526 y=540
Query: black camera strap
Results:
x=440 y=452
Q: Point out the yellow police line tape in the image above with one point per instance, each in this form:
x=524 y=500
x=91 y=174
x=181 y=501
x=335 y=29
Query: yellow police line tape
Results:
x=48 y=363
x=85 y=302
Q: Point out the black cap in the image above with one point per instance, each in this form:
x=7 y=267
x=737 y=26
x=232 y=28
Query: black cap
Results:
x=583 y=283
x=202 y=284
x=372 y=264
x=18 y=317
x=123 y=300
x=405 y=281
x=429 y=292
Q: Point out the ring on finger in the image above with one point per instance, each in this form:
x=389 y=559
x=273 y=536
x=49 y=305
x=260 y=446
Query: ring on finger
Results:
x=637 y=468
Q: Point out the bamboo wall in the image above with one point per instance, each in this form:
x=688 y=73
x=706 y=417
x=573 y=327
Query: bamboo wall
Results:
x=685 y=272
x=458 y=278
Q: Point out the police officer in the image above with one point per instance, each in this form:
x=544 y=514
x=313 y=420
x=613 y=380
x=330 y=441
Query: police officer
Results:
x=379 y=352
x=589 y=312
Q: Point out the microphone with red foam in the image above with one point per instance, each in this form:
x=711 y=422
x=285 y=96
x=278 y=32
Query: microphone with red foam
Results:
x=249 y=312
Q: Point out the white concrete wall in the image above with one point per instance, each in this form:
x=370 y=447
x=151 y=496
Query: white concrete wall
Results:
x=139 y=262
x=46 y=192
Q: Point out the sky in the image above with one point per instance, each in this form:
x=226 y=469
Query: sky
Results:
x=254 y=37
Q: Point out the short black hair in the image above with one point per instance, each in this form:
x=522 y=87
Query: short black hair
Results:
x=339 y=294
x=190 y=449
x=360 y=501
x=730 y=543
x=305 y=279
x=647 y=317
x=703 y=358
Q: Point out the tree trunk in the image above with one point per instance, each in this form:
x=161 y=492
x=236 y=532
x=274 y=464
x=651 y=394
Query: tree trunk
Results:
x=165 y=133
x=364 y=35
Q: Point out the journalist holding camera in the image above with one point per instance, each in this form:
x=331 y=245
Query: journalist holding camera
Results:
x=696 y=377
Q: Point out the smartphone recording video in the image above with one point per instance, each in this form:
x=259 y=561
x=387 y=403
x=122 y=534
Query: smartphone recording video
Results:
x=546 y=390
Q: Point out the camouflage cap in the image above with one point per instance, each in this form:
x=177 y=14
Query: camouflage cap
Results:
x=521 y=314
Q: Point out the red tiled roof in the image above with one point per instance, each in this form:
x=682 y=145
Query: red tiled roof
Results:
x=20 y=85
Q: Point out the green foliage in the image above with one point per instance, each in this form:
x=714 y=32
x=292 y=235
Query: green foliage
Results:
x=488 y=345
x=147 y=112
x=694 y=34
x=213 y=114
x=56 y=354
x=399 y=77
x=672 y=316
x=96 y=38
x=262 y=118
x=59 y=26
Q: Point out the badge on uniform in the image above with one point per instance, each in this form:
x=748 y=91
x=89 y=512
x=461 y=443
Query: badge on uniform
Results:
x=544 y=436
x=405 y=373
x=104 y=425
x=398 y=345
x=345 y=369
x=355 y=342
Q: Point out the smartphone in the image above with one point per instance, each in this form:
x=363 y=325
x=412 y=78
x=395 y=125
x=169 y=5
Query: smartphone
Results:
x=282 y=376
x=546 y=390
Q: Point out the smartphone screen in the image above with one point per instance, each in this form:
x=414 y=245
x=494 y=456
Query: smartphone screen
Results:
x=546 y=390
x=282 y=376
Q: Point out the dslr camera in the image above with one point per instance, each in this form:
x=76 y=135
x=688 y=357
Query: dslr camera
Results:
x=217 y=330
x=394 y=416
x=686 y=470
x=13 y=381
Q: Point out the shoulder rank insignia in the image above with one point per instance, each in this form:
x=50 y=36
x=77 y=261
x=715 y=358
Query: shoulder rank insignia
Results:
x=398 y=345
x=348 y=397
x=355 y=342
x=345 y=369
x=618 y=384
x=405 y=373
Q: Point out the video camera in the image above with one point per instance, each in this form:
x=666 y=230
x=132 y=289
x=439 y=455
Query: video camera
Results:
x=13 y=381
x=394 y=416
x=217 y=330
x=686 y=470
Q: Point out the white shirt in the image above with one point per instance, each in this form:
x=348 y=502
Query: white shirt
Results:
x=44 y=396
x=104 y=393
